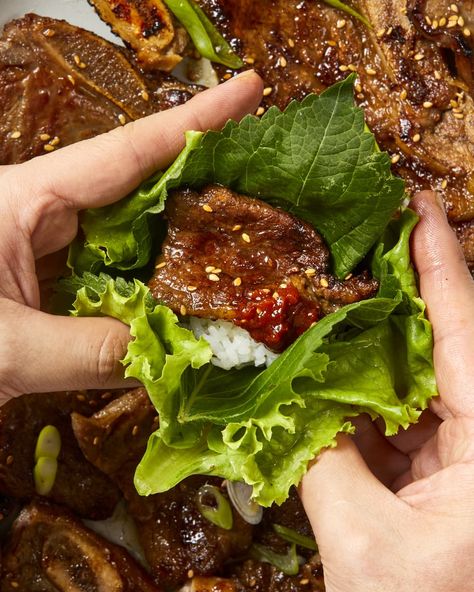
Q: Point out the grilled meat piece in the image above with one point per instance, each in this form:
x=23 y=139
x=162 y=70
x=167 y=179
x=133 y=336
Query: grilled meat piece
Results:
x=428 y=122
x=49 y=550
x=210 y=585
x=78 y=485
x=232 y=257
x=60 y=84
x=174 y=535
x=148 y=27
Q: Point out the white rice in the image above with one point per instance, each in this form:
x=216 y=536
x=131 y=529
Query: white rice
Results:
x=232 y=346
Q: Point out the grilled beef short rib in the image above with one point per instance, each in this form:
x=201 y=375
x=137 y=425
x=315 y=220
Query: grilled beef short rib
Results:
x=236 y=258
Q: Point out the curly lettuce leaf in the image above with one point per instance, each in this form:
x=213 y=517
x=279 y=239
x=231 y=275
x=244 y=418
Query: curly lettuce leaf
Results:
x=316 y=159
x=264 y=426
x=206 y=38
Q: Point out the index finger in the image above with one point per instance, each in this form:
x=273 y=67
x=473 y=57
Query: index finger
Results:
x=448 y=290
x=99 y=171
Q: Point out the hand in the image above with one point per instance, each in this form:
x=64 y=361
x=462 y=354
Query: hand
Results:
x=397 y=514
x=39 y=202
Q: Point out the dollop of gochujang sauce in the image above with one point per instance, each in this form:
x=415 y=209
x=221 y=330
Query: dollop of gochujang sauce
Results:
x=235 y=258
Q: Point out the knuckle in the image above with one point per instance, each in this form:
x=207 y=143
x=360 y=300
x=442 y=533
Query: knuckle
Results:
x=111 y=350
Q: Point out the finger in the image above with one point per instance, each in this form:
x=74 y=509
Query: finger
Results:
x=345 y=503
x=101 y=170
x=49 y=353
x=384 y=461
x=412 y=439
x=448 y=290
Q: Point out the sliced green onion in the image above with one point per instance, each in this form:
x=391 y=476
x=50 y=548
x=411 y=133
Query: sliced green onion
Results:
x=292 y=536
x=288 y=563
x=342 y=6
x=45 y=474
x=214 y=506
x=49 y=443
x=207 y=39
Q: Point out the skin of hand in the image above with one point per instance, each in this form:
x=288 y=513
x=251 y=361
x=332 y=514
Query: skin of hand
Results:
x=397 y=514
x=39 y=205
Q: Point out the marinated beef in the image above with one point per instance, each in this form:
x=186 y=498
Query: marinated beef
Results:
x=227 y=256
x=78 y=485
x=49 y=550
x=176 y=539
x=148 y=27
x=60 y=84
x=415 y=78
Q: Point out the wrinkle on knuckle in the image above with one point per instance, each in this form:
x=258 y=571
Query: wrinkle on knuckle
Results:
x=111 y=350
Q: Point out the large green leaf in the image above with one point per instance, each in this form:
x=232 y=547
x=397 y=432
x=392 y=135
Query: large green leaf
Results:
x=315 y=159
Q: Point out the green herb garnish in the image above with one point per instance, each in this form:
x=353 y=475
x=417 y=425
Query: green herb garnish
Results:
x=292 y=536
x=288 y=563
x=343 y=6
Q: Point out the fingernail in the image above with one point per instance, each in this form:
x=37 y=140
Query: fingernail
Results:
x=439 y=201
x=243 y=74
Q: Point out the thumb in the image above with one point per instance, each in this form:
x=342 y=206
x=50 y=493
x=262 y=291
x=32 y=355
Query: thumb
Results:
x=350 y=511
x=51 y=353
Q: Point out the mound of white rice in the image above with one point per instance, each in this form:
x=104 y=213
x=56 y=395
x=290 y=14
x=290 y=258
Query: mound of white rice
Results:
x=232 y=346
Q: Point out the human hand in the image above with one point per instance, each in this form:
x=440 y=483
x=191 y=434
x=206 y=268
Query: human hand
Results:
x=39 y=203
x=397 y=514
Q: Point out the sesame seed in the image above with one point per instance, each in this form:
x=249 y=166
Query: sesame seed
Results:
x=370 y=71
x=183 y=310
x=160 y=265
x=135 y=430
x=275 y=295
x=291 y=43
x=80 y=397
x=209 y=268
x=217 y=270
x=45 y=137
x=304 y=581
x=352 y=68
x=416 y=138
x=341 y=23
x=310 y=271
x=324 y=283
x=145 y=95
x=454 y=8
x=419 y=57
x=190 y=574
x=444 y=184
x=459 y=116
x=95 y=441
x=437 y=75
x=332 y=43
x=55 y=141
x=435 y=25
x=71 y=79
x=249 y=60
x=15 y=135
x=360 y=96
x=283 y=285
x=267 y=91
x=348 y=276
x=236 y=227
x=245 y=237
x=442 y=21
x=122 y=119
x=260 y=111
x=452 y=22
x=82 y=65
x=466 y=32
x=389 y=30
x=283 y=62
x=395 y=158
x=77 y=59
x=48 y=148
x=343 y=68
x=403 y=94
x=9 y=459
x=207 y=208
x=48 y=33
x=237 y=282
x=460 y=21
x=358 y=87
x=227 y=76
x=15 y=585
x=380 y=33
x=428 y=20
x=191 y=288
x=427 y=104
